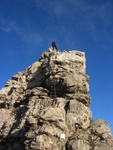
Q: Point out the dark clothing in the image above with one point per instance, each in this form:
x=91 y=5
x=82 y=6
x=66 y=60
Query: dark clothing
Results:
x=54 y=46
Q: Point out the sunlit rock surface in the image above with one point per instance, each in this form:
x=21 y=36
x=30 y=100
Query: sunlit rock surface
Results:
x=47 y=107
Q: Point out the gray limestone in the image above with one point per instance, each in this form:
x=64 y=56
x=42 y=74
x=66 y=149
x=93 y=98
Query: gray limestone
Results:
x=47 y=106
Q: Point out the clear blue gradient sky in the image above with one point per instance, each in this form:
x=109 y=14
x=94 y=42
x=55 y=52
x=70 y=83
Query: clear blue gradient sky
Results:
x=27 y=28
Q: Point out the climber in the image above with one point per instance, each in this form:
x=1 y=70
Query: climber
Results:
x=54 y=46
x=77 y=125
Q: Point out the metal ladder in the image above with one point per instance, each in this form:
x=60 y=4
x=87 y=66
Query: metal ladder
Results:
x=53 y=81
x=53 y=88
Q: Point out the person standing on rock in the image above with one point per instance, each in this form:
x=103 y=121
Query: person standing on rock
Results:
x=54 y=46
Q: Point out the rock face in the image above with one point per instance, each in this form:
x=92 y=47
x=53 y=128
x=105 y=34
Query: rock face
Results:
x=47 y=107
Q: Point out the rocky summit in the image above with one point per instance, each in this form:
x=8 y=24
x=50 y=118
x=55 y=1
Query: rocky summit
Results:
x=47 y=107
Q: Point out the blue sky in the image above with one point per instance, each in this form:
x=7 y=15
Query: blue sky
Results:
x=27 y=28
